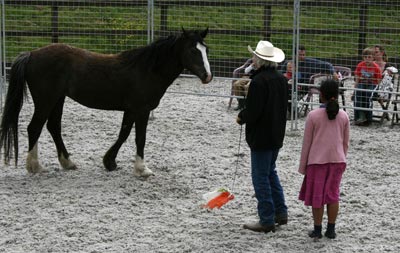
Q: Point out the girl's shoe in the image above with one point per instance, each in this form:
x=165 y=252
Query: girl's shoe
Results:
x=330 y=234
x=315 y=235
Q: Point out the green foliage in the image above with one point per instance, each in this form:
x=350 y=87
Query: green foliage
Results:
x=114 y=29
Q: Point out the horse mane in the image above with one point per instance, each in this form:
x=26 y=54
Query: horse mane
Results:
x=152 y=55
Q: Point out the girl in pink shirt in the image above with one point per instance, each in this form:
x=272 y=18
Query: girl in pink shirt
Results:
x=323 y=158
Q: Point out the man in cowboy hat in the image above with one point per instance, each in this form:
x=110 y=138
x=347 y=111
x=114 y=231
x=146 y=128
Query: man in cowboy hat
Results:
x=265 y=119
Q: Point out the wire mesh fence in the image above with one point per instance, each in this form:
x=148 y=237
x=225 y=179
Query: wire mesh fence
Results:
x=339 y=33
x=333 y=32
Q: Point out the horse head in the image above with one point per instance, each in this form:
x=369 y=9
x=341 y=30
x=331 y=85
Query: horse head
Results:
x=194 y=54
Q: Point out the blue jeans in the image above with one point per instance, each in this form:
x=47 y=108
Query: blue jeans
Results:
x=268 y=189
x=363 y=99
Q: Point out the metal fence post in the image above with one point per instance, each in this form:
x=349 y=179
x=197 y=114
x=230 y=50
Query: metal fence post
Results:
x=150 y=21
x=295 y=48
x=3 y=79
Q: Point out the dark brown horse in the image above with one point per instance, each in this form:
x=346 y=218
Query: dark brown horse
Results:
x=133 y=81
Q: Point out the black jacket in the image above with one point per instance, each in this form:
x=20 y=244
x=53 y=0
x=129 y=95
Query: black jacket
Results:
x=265 y=112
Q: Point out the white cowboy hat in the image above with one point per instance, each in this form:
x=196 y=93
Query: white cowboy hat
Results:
x=265 y=50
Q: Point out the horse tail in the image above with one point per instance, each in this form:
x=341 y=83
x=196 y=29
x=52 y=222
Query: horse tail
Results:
x=12 y=107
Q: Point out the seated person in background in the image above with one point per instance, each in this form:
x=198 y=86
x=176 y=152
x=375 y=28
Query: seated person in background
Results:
x=380 y=57
x=311 y=66
x=289 y=76
x=368 y=75
x=289 y=70
x=241 y=86
x=307 y=67
x=388 y=70
x=386 y=86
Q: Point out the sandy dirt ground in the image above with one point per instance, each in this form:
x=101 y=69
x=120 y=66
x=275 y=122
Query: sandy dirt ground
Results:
x=192 y=146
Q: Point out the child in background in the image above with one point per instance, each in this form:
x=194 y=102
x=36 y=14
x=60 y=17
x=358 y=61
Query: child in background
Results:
x=323 y=158
x=368 y=75
x=289 y=76
x=289 y=70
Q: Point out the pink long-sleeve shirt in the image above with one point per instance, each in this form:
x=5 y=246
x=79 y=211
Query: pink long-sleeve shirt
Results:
x=324 y=141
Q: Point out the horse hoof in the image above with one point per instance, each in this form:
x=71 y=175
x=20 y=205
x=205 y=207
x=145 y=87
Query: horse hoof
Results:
x=110 y=165
x=111 y=168
x=34 y=167
x=145 y=172
x=73 y=167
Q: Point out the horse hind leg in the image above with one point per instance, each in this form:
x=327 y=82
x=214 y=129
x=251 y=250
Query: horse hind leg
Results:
x=34 y=130
x=54 y=127
x=32 y=161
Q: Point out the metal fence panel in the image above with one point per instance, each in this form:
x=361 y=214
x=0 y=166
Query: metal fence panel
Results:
x=332 y=31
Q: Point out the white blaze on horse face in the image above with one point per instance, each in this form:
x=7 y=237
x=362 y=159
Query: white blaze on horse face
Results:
x=202 y=49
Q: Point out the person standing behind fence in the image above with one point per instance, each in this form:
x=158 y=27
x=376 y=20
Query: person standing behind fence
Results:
x=265 y=119
x=323 y=158
x=368 y=75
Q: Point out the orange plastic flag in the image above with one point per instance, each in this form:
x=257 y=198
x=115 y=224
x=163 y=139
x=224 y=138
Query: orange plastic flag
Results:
x=217 y=198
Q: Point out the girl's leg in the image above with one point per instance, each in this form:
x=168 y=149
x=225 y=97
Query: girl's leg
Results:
x=332 y=210
x=317 y=215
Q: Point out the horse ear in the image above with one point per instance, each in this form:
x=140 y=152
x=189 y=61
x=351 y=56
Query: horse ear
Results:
x=203 y=34
x=184 y=33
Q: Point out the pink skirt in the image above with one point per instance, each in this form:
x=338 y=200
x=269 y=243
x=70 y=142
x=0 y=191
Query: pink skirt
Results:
x=321 y=184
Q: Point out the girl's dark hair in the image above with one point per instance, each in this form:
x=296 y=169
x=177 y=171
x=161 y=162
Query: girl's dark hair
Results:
x=330 y=91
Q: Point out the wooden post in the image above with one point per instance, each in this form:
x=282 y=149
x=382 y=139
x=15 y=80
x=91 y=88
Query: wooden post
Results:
x=362 y=36
x=267 y=22
x=54 y=23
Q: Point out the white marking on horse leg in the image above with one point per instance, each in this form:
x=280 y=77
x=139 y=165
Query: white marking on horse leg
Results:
x=140 y=169
x=32 y=161
x=66 y=163
x=202 y=49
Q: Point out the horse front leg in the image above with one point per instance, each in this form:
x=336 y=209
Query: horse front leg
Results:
x=126 y=127
x=140 y=169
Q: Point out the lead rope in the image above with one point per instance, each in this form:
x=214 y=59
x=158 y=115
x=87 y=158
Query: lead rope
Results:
x=237 y=160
